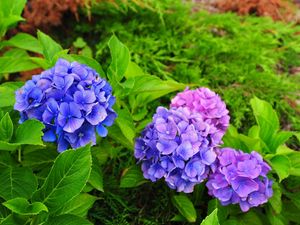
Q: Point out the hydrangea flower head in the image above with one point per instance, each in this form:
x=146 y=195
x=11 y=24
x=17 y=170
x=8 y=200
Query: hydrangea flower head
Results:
x=72 y=100
x=240 y=178
x=208 y=104
x=178 y=147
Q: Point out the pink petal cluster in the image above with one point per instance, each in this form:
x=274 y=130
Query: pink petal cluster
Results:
x=208 y=104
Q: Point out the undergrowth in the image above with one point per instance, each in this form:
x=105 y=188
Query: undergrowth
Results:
x=238 y=57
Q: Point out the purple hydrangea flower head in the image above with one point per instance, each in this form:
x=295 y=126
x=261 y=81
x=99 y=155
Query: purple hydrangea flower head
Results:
x=208 y=104
x=178 y=147
x=73 y=102
x=240 y=178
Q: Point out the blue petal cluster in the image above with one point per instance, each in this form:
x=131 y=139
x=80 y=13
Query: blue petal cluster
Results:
x=240 y=178
x=177 y=146
x=72 y=100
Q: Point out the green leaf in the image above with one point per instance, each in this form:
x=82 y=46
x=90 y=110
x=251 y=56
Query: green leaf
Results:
x=67 y=219
x=294 y=158
x=132 y=177
x=231 y=139
x=150 y=83
x=250 y=218
x=185 y=207
x=133 y=70
x=6 y=128
x=40 y=158
x=211 y=219
x=266 y=118
x=78 y=205
x=30 y=132
x=24 y=41
x=120 y=59
x=281 y=164
x=222 y=211
x=14 y=219
x=116 y=133
x=12 y=7
x=125 y=122
x=279 y=139
x=17 y=182
x=23 y=207
x=275 y=201
x=96 y=177
x=10 y=64
x=8 y=146
x=66 y=179
x=7 y=93
x=49 y=46
x=79 y=43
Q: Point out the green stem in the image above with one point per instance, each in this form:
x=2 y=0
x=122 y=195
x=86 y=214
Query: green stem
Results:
x=19 y=154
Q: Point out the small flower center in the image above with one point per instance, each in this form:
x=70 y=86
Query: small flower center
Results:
x=80 y=134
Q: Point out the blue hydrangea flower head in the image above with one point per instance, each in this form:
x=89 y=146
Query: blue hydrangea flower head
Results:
x=73 y=102
x=176 y=146
x=240 y=178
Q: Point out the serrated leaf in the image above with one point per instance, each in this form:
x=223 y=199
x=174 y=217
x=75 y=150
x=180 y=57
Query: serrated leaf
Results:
x=266 y=118
x=10 y=64
x=281 y=164
x=7 y=93
x=49 y=46
x=78 y=206
x=275 y=200
x=6 y=128
x=24 y=41
x=67 y=219
x=17 y=182
x=126 y=124
x=23 y=207
x=211 y=219
x=120 y=59
x=250 y=218
x=185 y=207
x=30 y=132
x=279 y=139
x=132 y=177
x=96 y=177
x=66 y=179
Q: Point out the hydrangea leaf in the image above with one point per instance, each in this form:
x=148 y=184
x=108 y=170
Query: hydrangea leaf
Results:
x=185 y=207
x=67 y=219
x=281 y=164
x=275 y=200
x=132 y=177
x=6 y=128
x=30 y=132
x=7 y=93
x=125 y=122
x=23 y=207
x=96 y=177
x=24 y=41
x=17 y=182
x=266 y=118
x=67 y=178
x=211 y=219
x=120 y=59
x=79 y=205
x=49 y=46
x=11 y=64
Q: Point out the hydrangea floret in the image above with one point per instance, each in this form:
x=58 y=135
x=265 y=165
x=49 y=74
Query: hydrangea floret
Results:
x=208 y=104
x=240 y=178
x=178 y=147
x=72 y=100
